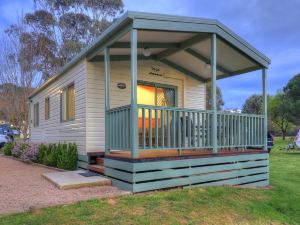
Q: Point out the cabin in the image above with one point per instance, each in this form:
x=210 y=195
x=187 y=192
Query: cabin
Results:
x=134 y=101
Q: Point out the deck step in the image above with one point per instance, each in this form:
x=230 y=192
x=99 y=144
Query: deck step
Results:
x=99 y=161
x=96 y=168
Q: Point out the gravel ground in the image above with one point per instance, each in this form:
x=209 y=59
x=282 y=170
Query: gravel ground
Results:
x=22 y=188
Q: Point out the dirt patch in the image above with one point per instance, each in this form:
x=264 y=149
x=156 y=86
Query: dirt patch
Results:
x=22 y=188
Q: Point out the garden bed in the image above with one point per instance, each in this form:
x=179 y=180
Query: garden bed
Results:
x=63 y=156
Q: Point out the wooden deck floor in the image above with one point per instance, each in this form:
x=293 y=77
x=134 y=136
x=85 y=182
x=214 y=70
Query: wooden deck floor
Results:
x=174 y=154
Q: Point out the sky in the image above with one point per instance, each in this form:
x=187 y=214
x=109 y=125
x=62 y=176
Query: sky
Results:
x=272 y=26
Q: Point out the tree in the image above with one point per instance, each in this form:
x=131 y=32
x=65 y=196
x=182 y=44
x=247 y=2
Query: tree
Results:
x=279 y=113
x=220 y=101
x=42 y=42
x=58 y=30
x=15 y=82
x=253 y=105
x=292 y=91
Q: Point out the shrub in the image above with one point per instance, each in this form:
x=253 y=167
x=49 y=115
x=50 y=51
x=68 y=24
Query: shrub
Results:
x=50 y=155
x=63 y=156
x=31 y=153
x=26 y=151
x=68 y=156
x=41 y=153
x=19 y=149
x=8 y=147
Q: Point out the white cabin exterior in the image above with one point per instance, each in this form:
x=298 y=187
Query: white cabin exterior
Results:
x=134 y=101
x=87 y=130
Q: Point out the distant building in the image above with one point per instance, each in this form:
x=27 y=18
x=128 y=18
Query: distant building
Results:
x=233 y=110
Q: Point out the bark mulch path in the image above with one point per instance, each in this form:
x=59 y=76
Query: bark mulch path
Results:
x=23 y=188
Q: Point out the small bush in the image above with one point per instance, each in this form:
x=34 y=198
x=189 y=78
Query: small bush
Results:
x=68 y=156
x=63 y=156
x=50 y=155
x=8 y=147
x=41 y=153
x=25 y=151
x=30 y=154
x=19 y=149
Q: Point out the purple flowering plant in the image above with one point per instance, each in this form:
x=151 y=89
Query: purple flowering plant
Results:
x=26 y=151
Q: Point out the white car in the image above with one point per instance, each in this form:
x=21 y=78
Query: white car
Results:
x=16 y=132
x=3 y=138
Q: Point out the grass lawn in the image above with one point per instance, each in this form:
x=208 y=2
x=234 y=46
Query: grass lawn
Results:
x=209 y=205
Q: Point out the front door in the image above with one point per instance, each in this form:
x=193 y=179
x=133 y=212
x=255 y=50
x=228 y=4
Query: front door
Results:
x=156 y=95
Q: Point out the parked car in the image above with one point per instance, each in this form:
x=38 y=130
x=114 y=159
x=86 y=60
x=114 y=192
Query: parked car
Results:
x=4 y=138
x=270 y=141
x=7 y=131
x=15 y=132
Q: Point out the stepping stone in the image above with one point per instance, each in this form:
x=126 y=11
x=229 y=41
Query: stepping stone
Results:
x=75 y=179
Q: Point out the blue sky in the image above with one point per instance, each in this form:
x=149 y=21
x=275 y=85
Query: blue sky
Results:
x=271 y=26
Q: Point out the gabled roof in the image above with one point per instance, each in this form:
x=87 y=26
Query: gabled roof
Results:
x=167 y=23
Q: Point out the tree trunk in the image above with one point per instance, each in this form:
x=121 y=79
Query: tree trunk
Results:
x=283 y=136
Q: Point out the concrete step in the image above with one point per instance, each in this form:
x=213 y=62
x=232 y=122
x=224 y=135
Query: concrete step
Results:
x=74 y=179
x=96 y=168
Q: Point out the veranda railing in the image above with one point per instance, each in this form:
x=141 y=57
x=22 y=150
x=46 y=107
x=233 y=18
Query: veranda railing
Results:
x=181 y=128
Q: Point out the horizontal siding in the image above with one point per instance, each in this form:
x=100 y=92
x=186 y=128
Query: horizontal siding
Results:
x=191 y=93
x=247 y=170
x=52 y=130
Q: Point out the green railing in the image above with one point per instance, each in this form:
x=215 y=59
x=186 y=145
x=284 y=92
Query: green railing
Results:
x=173 y=128
x=240 y=130
x=180 y=128
x=119 y=128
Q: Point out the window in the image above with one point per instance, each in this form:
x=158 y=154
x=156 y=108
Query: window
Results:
x=36 y=115
x=68 y=103
x=47 y=108
x=156 y=94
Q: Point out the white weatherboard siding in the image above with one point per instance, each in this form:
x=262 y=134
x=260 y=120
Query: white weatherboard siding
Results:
x=191 y=93
x=53 y=130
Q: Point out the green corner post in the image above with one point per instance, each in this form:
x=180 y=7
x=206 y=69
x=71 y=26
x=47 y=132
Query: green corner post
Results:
x=214 y=91
x=134 y=109
x=107 y=97
x=265 y=107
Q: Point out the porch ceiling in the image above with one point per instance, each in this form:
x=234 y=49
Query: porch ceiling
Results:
x=185 y=51
x=171 y=38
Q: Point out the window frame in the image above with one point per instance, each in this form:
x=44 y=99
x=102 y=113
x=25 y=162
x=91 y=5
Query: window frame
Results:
x=65 y=89
x=47 y=112
x=160 y=85
x=36 y=114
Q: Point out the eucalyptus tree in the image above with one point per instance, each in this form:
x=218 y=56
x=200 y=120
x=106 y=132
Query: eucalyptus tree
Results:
x=57 y=30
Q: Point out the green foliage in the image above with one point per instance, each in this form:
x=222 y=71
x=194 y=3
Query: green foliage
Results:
x=199 y=205
x=68 y=157
x=220 y=100
x=50 y=155
x=279 y=113
x=56 y=31
x=63 y=156
x=292 y=91
x=253 y=105
x=41 y=153
x=8 y=147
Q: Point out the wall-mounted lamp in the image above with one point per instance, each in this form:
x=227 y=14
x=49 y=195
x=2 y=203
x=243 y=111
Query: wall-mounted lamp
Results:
x=146 y=52
x=207 y=66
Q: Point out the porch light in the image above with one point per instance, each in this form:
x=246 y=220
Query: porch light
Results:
x=146 y=52
x=207 y=66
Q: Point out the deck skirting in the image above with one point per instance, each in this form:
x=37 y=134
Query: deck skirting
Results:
x=246 y=170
